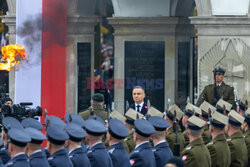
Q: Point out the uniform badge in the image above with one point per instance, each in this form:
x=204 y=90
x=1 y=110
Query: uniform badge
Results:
x=184 y=158
x=111 y=150
x=50 y=158
x=132 y=162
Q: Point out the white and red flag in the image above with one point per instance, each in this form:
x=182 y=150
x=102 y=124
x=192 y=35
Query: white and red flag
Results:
x=41 y=29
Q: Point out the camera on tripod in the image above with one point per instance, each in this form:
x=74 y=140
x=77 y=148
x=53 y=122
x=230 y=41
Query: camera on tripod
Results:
x=21 y=111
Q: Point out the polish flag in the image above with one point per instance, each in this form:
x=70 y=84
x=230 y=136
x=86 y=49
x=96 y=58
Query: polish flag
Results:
x=41 y=29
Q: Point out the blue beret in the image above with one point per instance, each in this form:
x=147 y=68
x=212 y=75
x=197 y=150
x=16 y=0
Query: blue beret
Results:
x=56 y=135
x=74 y=118
x=31 y=122
x=11 y=122
x=54 y=121
x=94 y=127
x=98 y=97
x=159 y=123
x=143 y=127
x=37 y=137
x=18 y=137
x=75 y=132
x=117 y=129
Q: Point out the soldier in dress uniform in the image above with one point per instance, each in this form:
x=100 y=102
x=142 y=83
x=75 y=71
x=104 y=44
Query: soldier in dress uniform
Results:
x=247 y=132
x=97 y=104
x=56 y=137
x=117 y=131
x=17 y=144
x=77 y=154
x=196 y=153
x=235 y=140
x=223 y=107
x=218 y=148
x=206 y=110
x=188 y=112
x=213 y=92
x=173 y=114
x=7 y=123
x=96 y=152
x=161 y=149
x=242 y=105
x=142 y=155
x=37 y=157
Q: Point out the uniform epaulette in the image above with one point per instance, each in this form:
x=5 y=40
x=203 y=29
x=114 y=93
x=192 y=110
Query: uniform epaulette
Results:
x=9 y=164
x=50 y=158
x=154 y=150
x=136 y=151
x=71 y=156
x=111 y=150
x=125 y=139
x=188 y=148
x=90 y=151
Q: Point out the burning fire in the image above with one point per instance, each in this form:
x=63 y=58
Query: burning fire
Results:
x=12 y=54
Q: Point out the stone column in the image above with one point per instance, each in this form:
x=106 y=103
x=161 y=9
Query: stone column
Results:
x=80 y=29
x=10 y=20
x=145 y=29
x=224 y=42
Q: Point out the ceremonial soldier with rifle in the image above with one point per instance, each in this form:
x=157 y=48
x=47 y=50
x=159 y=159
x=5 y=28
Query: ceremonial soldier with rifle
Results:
x=213 y=92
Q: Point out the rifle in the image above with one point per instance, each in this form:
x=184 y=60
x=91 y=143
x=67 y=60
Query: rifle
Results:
x=215 y=91
x=176 y=144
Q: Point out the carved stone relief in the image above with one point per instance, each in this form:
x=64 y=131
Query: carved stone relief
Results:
x=233 y=55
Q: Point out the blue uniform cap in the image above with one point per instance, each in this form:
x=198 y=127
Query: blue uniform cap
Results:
x=143 y=127
x=56 y=135
x=219 y=70
x=74 y=118
x=11 y=122
x=75 y=132
x=31 y=122
x=37 y=137
x=18 y=137
x=94 y=127
x=117 y=129
x=159 y=123
x=96 y=117
x=54 y=121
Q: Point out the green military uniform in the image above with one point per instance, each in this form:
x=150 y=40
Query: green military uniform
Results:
x=98 y=110
x=185 y=137
x=238 y=150
x=206 y=136
x=171 y=138
x=224 y=90
x=129 y=140
x=219 y=151
x=247 y=141
x=196 y=154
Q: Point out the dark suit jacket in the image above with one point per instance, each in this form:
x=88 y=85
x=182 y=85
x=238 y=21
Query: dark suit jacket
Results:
x=144 y=109
x=60 y=159
x=79 y=158
x=118 y=155
x=162 y=153
x=38 y=159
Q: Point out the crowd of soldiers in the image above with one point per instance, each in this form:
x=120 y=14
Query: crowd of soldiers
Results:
x=214 y=135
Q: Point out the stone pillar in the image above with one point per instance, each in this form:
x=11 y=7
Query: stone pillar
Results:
x=10 y=21
x=224 y=42
x=145 y=29
x=80 y=29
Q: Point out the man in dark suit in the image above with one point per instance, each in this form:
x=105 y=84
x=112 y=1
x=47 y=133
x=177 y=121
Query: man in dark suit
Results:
x=213 y=92
x=138 y=96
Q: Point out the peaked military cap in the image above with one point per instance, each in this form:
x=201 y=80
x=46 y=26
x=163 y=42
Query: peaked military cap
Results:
x=117 y=115
x=174 y=109
x=94 y=127
x=235 y=118
x=31 y=122
x=247 y=115
x=159 y=123
x=11 y=122
x=197 y=111
x=244 y=102
x=75 y=132
x=56 y=135
x=221 y=105
x=18 y=137
x=37 y=137
x=207 y=109
x=154 y=112
x=195 y=123
x=98 y=97
x=218 y=120
x=117 y=129
x=96 y=117
x=219 y=70
x=132 y=115
x=54 y=121
x=143 y=127
x=189 y=110
x=74 y=118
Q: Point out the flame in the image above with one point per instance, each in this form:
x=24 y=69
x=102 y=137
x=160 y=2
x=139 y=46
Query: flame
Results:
x=12 y=54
